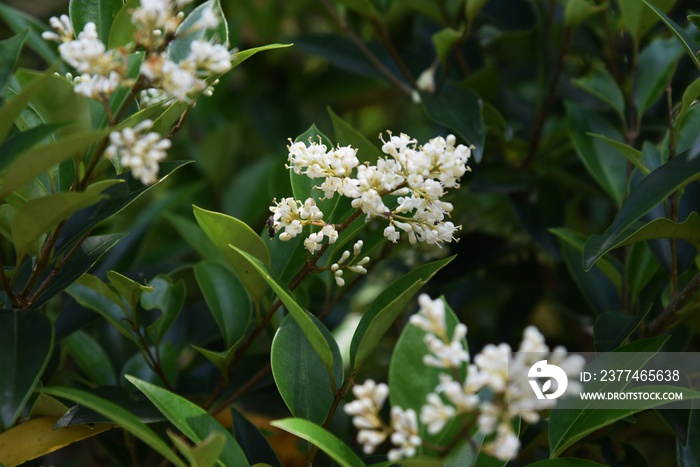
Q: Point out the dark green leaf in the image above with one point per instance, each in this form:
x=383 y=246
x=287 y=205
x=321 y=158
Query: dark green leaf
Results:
x=461 y=111
x=686 y=39
x=688 y=451
x=612 y=328
x=326 y=442
x=346 y=135
x=194 y=236
x=119 y=415
x=100 y=12
x=635 y=156
x=637 y=19
x=608 y=266
x=652 y=191
x=90 y=358
x=9 y=54
x=169 y=298
x=226 y=299
x=19 y=21
x=26 y=341
x=299 y=372
x=600 y=83
x=384 y=310
x=24 y=141
x=661 y=56
x=191 y=420
x=253 y=443
x=565 y=462
x=12 y=109
x=224 y=230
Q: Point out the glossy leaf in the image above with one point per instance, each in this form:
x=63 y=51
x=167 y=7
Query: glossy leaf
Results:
x=304 y=319
x=91 y=358
x=461 y=111
x=612 y=328
x=388 y=306
x=603 y=162
x=169 y=298
x=635 y=156
x=566 y=426
x=127 y=289
x=224 y=230
x=119 y=415
x=191 y=420
x=318 y=436
x=226 y=299
x=608 y=266
x=686 y=39
x=253 y=443
x=11 y=110
x=690 y=95
x=123 y=29
x=637 y=18
x=651 y=191
x=661 y=56
x=600 y=83
x=205 y=453
x=597 y=289
x=26 y=342
x=33 y=162
x=299 y=372
x=25 y=140
x=189 y=30
x=38 y=437
x=243 y=55
x=100 y=12
x=9 y=54
x=19 y=22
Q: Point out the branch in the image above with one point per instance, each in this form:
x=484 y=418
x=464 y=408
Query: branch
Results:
x=666 y=317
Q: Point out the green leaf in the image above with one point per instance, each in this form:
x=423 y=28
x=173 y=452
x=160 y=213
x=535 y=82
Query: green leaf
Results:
x=635 y=156
x=129 y=290
x=607 y=266
x=612 y=328
x=601 y=161
x=119 y=415
x=688 y=450
x=444 y=40
x=600 y=83
x=566 y=426
x=26 y=342
x=384 y=310
x=243 y=55
x=193 y=421
x=253 y=443
x=473 y=8
x=637 y=19
x=221 y=360
x=226 y=299
x=41 y=215
x=91 y=358
x=224 y=230
x=318 y=436
x=299 y=372
x=169 y=298
x=346 y=135
x=686 y=39
x=577 y=11
x=12 y=109
x=123 y=29
x=190 y=30
x=650 y=192
x=19 y=22
x=194 y=236
x=410 y=380
x=33 y=162
x=205 y=453
x=100 y=12
x=662 y=56
x=365 y=8
x=9 y=54
x=690 y=95
x=25 y=140
x=641 y=268
x=461 y=111
x=304 y=319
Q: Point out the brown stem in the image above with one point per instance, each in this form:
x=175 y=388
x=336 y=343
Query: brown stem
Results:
x=380 y=30
x=41 y=263
x=6 y=283
x=150 y=360
x=365 y=50
x=544 y=111
x=659 y=324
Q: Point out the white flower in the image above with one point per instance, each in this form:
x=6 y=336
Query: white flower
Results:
x=506 y=444
x=365 y=411
x=435 y=414
x=430 y=316
x=492 y=362
x=212 y=57
x=426 y=80
x=139 y=151
x=208 y=20
x=459 y=395
x=64 y=29
x=446 y=354
x=405 y=435
x=97 y=86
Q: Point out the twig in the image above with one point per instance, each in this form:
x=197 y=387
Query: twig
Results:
x=665 y=318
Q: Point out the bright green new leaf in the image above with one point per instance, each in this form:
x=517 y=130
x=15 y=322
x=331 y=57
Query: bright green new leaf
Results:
x=461 y=111
x=224 y=230
x=119 y=415
x=691 y=47
x=602 y=162
x=303 y=318
x=318 y=436
x=301 y=378
x=226 y=299
x=637 y=19
x=566 y=426
x=384 y=310
x=33 y=162
x=650 y=192
x=123 y=29
x=100 y=12
x=205 y=453
x=91 y=358
x=169 y=298
x=26 y=342
x=193 y=421
x=600 y=83
x=577 y=11
x=244 y=55
x=128 y=289
x=9 y=54
x=221 y=360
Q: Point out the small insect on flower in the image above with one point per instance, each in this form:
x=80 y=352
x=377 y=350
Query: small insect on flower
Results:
x=271 y=226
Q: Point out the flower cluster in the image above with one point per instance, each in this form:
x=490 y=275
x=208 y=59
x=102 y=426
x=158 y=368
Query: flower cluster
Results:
x=101 y=71
x=355 y=265
x=504 y=373
x=139 y=150
x=417 y=175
